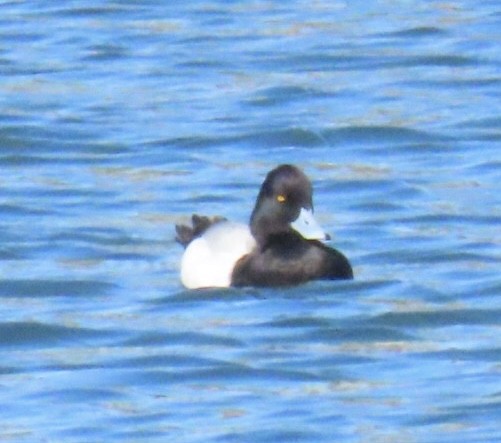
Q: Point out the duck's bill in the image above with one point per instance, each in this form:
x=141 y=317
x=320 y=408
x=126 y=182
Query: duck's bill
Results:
x=306 y=225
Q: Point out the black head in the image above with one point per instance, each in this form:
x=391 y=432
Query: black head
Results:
x=284 y=204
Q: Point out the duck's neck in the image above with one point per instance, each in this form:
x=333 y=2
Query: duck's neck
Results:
x=287 y=239
x=264 y=222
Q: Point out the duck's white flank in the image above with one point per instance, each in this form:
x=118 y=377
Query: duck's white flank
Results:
x=209 y=260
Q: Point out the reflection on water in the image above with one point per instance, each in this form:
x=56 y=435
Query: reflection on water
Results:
x=119 y=120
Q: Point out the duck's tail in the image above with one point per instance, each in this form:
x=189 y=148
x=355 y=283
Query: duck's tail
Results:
x=199 y=224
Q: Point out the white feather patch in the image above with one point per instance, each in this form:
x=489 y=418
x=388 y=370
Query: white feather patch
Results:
x=209 y=260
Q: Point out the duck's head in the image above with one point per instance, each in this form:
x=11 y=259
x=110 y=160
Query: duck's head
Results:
x=285 y=204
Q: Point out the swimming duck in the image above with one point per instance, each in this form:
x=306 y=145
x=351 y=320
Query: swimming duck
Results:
x=283 y=245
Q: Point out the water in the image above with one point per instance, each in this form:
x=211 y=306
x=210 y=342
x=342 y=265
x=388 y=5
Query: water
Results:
x=120 y=118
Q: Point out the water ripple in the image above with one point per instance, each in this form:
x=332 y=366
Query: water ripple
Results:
x=36 y=334
x=34 y=288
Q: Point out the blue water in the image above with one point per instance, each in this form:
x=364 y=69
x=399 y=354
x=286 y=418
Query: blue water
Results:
x=120 y=118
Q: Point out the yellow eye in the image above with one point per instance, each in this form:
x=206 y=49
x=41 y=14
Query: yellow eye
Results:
x=281 y=198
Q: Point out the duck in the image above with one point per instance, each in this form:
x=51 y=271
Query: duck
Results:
x=283 y=245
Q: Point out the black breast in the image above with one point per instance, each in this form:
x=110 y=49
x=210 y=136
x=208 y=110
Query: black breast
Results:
x=288 y=259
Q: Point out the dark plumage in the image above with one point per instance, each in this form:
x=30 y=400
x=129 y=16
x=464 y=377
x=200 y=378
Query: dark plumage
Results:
x=282 y=256
x=288 y=259
x=199 y=224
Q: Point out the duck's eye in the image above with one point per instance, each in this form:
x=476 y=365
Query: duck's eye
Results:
x=281 y=198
